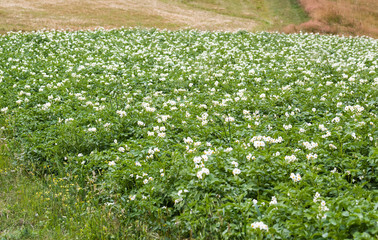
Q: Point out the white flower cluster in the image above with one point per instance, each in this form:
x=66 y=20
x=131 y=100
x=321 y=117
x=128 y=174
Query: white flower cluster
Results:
x=202 y=171
x=291 y=158
x=274 y=201
x=159 y=130
x=259 y=141
x=311 y=156
x=295 y=177
x=310 y=145
x=259 y=225
x=250 y=156
x=229 y=149
x=147 y=107
x=266 y=139
x=190 y=143
x=179 y=193
x=203 y=118
x=322 y=207
x=229 y=119
x=46 y=106
x=236 y=170
x=356 y=108
x=335 y=120
x=163 y=118
x=92 y=129
x=322 y=127
x=258 y=144
x=188 y=140
x=121 y=113
x=151 y=152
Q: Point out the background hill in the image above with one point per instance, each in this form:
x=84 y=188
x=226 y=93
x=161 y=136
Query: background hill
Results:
x=341 y=16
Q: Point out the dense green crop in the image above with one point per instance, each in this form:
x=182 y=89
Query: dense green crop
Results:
x=206 y=135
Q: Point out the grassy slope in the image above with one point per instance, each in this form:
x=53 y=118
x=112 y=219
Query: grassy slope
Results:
x=170 y=14
x=270 y=14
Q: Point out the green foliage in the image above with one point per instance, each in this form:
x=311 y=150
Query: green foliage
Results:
x=203 y=135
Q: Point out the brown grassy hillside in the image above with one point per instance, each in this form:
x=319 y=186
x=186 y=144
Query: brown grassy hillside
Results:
x=349 y=17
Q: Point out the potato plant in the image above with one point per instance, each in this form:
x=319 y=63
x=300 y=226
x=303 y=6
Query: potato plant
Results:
x=203 y=135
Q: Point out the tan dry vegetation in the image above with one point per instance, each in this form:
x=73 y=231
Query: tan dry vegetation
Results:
x=349 y=17
x=88 y=14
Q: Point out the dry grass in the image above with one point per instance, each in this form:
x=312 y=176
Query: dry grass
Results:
x=25 y=15
x=348 y=17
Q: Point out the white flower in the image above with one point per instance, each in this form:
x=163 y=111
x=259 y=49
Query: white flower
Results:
x=150 y=133
x=228 y=149
x=291 y=158
x=140 y=123
x=236 y=164
x=332 y=146
x=236 y=171
x=188 y=140
x=145 y=181
x=46 y=106
x=92 y=129
x=203 y=171
x=121 y=113
x=259 y=225
x=121 y=149
x=197 y=160
x=323 y=206
x=295 y=177
x=132 y=197
x=111 y=163
x=322 y=128
x=161 y=134
x=309 y=145
x=254 y=201
x=229 y=119
x=258 y=144
x=4 y=110
x=336 y=120
x=287 y=127
x=249 y=157
x=208 y=152
x=274 y=201
x=312 y=156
